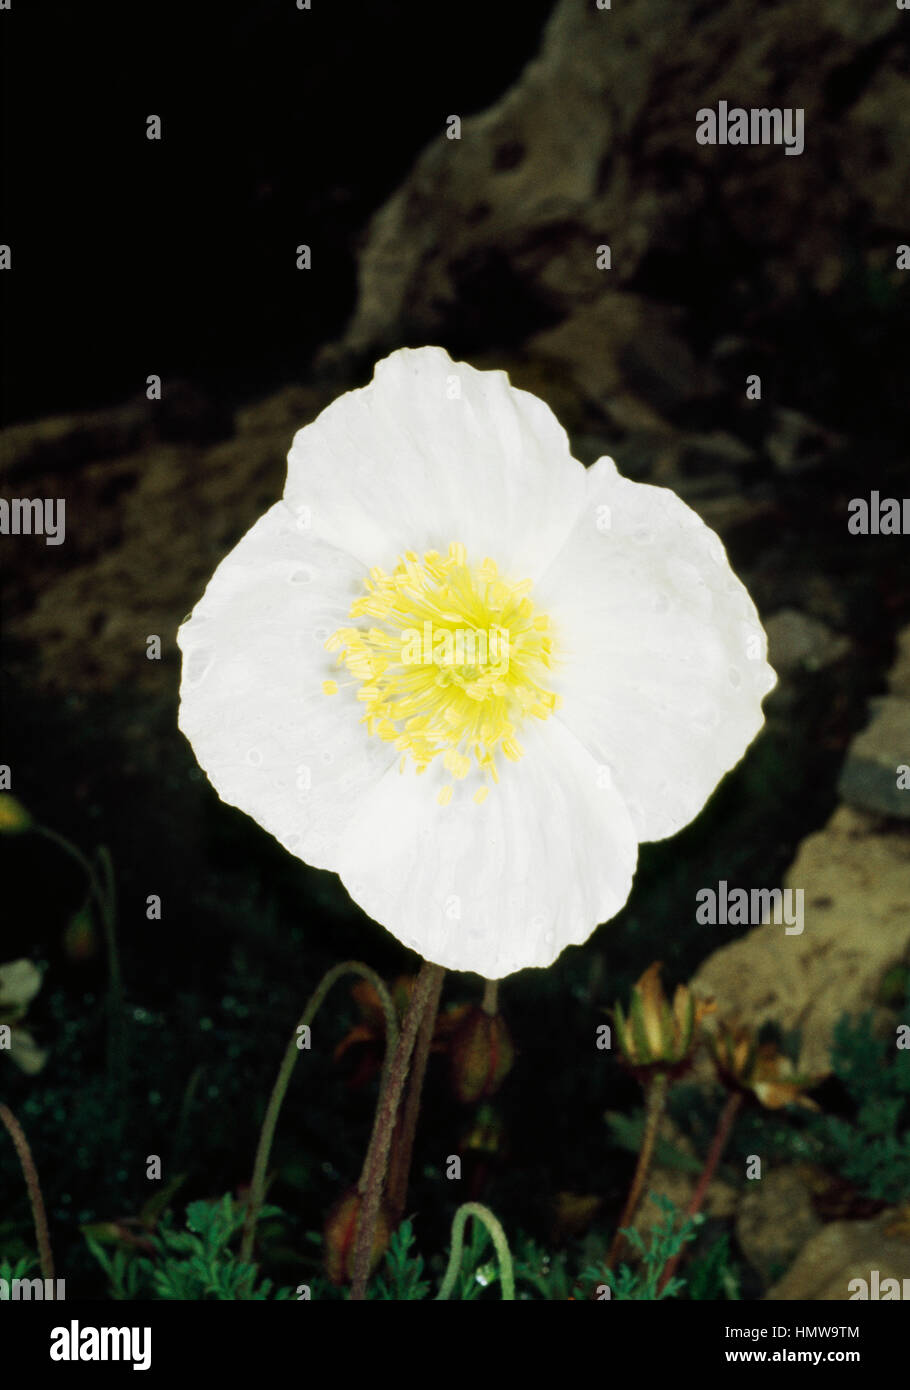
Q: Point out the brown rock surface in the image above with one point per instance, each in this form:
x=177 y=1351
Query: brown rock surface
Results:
x=144 y=532
x=590 y=147
x=841 y=1252
x=856 y=877
x=775 y=1219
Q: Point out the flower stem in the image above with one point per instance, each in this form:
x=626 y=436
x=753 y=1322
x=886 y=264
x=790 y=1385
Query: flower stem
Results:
x=117 y=1039
x=30 y=1173
x=424 y=999
x=103 y=890
x=503 y=1254
x=718 y=1144
x=405 y=1130
x=267 y=1133
x=655 y=1101
x=490 y=1003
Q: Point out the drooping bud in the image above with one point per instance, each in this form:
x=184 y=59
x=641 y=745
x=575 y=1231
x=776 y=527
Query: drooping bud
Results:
x=482 y=1054
x=341 y=1227
x=80 y=941
x=14 y=819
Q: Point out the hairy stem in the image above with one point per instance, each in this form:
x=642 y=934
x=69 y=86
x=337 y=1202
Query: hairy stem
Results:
x=270 y=1120
x=490 y=1002
x=503 y=1254
x=30 y=1173
x=655 y=1101
x=425 y=998
x=718 y=1144
x=405 y=1130
x=116 y=1038
x=103 y=891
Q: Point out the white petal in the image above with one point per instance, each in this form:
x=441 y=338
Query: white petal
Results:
x=434 y=451
x=251 y=699
x=500 y=886
x=665 y=666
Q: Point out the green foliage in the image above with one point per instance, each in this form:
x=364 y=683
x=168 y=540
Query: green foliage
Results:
x=553 y=1277
x=18 y=1269
x=400 y=1278
x=713 y=1275
x=873 y=1149
x=196 y=1264
x=548 y=1275
x=666 y=1239
x=401 y=1275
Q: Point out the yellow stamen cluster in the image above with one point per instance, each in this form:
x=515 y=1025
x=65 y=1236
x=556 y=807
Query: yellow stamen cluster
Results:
x=451 y=664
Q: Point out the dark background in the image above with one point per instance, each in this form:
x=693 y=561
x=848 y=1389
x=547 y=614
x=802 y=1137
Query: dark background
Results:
x=177 y=257
x=280 y=127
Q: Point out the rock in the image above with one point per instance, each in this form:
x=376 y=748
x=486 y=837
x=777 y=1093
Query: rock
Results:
x=797 y=642
x=774 y=1220
x=856 y=881
x=63 y=440
x=136 y=568
x=59 y=442
x=622 y=342
x=871 y=778
x=595 y=145
x=143 y=534
x=841 y=1252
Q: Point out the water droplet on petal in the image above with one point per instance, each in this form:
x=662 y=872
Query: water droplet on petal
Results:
x=254 y=757
x=735 y=677
x=303 y=575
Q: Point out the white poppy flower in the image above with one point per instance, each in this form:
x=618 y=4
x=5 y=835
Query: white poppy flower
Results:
x=467 y=674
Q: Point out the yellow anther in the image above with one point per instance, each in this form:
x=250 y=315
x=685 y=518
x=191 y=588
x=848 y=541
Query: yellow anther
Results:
x=451 y=660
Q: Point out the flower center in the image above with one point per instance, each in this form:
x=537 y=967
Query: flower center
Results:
x=455 y=659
